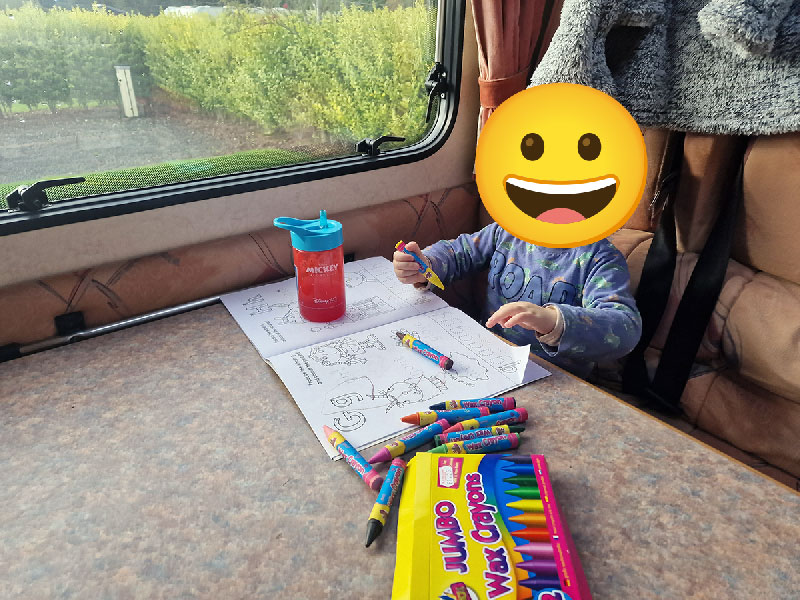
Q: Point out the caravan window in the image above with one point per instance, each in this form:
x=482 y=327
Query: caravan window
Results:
x=141 y=105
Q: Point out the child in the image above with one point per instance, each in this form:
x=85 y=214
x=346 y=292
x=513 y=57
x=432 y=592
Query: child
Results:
x=572 y=305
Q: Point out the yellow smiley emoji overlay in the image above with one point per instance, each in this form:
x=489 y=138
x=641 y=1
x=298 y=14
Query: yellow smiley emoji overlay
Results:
x=560 y=165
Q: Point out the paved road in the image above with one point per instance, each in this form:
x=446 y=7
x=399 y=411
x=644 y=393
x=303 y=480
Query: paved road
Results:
x=38 y=145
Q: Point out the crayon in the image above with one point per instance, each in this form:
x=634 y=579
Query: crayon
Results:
x=523 y=593
x=529 y=470
x=534 y=506
x=533 y=534
x=522 y=480
x=353 y=458
x=540 y=584
x=542 y=568
x=480 y=446
x=520 y=459
x=440 y=359
x=426 y=417
x=389 y=489
x=537 y=550
x=423 y=268
x=526 y=493
x=472 y=434
x=530 y=519
x=409 y=442
x=507 y=417
x=493 y=404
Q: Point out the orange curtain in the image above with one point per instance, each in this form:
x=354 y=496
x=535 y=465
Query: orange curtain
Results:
x=509 y=32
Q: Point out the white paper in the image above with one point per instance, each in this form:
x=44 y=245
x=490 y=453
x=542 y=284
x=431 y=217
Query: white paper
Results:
x=361 y=384
x=270 y=317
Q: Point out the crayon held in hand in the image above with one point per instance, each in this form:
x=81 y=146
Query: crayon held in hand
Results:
x=473 y=434
x=409 y=441
x=353 y=458
x=389 y=489
x=480 y=446
x=493 y=404
x=507 y=417
x=409 y=340
x=423 y=268
x=453 y=416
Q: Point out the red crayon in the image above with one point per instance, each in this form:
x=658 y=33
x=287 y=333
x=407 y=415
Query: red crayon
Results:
x=534 y=534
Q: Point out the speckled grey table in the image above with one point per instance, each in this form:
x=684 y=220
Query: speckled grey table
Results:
x=168 y=461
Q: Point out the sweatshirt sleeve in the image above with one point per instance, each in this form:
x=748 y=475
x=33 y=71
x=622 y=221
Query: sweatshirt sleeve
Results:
x=463 y=256
x=607 y=325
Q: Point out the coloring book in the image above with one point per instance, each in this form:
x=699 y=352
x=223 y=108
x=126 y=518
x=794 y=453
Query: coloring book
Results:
x=354 y=374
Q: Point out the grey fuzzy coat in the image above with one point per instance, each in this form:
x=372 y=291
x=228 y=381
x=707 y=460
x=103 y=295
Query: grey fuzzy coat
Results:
x=724 y=66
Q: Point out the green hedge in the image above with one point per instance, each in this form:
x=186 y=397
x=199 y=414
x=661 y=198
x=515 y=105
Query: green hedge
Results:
x=357 y=73
x=165 y=173
x=67 y=57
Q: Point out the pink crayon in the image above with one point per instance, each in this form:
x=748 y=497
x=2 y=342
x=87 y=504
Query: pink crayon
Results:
x=351 y=456
x=409 y=441
x=540 y=550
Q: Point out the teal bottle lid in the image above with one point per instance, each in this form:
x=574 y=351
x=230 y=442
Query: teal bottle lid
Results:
x=313 y=235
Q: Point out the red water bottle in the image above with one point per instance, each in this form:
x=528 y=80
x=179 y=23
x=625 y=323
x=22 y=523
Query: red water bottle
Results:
x=318 y=266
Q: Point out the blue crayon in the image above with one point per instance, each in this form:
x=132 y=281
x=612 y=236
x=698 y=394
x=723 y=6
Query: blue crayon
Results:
x=507 y=417
x=521 y=469
x=454 y=416
x=473 y=434
x=493 y=404
x=391 y=485
x=409 y=442
x=353 y=458
x=482 y=445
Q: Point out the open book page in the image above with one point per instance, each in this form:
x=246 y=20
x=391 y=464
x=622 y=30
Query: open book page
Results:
x=361 y=384
x=269 y=315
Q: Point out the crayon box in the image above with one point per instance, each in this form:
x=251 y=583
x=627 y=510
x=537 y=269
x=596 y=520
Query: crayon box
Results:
x=483 y=527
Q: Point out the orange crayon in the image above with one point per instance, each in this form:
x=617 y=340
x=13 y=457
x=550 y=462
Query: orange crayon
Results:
x=530 y=520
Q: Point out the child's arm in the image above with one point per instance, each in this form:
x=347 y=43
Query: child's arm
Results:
x=463 y=256
x=607 y=325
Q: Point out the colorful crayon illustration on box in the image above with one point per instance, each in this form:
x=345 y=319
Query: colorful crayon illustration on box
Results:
x=483 y=527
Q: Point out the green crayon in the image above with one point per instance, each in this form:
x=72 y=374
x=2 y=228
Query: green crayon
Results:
x=526 y=493
x=522 y=480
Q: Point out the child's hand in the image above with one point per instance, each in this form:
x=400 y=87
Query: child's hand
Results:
x=406 y=268
x=526 y=315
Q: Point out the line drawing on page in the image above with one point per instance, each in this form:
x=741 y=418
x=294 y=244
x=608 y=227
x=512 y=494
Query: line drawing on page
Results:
x=345 y=351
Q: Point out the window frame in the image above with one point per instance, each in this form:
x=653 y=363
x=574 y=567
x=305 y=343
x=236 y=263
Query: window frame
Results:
x=102 y=206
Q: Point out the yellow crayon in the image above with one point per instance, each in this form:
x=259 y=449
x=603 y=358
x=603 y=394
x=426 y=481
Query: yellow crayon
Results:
x=423 y=268
x=528 y=506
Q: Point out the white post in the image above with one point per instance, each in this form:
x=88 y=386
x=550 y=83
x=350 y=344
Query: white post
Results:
x=126 y=91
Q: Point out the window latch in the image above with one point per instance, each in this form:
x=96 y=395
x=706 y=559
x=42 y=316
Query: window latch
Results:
x=435 y=85
x=370 y=147
x=32 y=198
